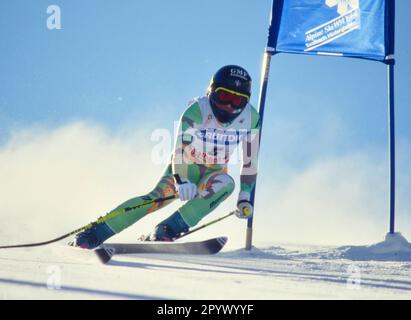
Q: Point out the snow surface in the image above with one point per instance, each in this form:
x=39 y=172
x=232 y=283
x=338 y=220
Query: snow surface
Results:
x=276 y=272
x=57 y=181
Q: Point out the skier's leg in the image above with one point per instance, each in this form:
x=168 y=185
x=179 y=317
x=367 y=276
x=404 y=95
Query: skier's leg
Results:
x=164 y=188
x=100 y=232
x=213 y=189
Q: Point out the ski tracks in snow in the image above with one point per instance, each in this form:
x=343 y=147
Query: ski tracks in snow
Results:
x=269 y=273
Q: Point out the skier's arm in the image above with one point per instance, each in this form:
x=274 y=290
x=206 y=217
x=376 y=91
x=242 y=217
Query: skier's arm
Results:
x=181 y=158
x=250 y=146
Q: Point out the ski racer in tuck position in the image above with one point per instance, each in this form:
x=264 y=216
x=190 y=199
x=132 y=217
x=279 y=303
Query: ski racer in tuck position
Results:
x=209 y=131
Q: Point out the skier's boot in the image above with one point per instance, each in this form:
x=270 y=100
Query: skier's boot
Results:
x=94 y=236
x=170 y=229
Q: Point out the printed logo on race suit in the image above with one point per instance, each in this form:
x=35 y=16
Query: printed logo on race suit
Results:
x=213 y=146
x=218 y=136
x=348 y=20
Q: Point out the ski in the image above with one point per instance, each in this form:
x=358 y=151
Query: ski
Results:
x=210 y=246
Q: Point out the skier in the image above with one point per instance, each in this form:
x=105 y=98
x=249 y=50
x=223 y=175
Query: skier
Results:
x=209 y=130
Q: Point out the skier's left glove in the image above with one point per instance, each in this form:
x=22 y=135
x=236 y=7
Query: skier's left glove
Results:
x=185 y=189
x=245 y=209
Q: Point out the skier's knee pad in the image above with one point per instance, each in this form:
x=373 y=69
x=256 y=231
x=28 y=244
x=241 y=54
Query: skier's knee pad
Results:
x=213 y=190
x=215 y=183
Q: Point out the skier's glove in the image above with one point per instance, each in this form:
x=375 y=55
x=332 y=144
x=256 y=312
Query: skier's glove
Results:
x=185 y=189
x=245 y=209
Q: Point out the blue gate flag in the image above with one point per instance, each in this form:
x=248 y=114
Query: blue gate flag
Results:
x=353 y=28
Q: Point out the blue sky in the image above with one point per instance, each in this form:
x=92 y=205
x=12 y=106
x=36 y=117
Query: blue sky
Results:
x=119 y=60
x=137 y=63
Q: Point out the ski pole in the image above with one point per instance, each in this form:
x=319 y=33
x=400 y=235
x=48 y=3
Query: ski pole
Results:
x=208 y=224
x=100 y=220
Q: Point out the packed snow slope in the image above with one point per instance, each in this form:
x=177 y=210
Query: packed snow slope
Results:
x=57 y=179
x=277 y=272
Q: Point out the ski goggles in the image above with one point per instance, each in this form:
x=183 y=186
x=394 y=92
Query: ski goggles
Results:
x=226 y=96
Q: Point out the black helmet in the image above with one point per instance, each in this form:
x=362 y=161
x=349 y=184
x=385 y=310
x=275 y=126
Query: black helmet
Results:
x=230 y=85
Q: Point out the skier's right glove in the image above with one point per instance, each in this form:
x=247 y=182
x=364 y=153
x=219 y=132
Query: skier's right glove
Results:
x=185 y=189
x=245 y=209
